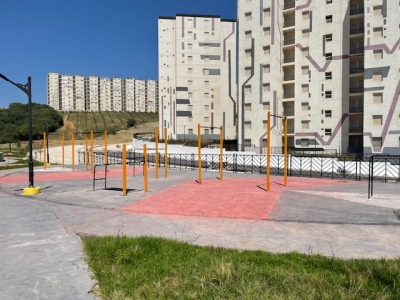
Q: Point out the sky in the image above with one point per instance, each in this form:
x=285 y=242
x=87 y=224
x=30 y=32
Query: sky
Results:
x=106 y=38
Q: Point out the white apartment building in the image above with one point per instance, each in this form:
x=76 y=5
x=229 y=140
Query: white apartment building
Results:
x=197 y=76
x=330 y=66
x=92 y=93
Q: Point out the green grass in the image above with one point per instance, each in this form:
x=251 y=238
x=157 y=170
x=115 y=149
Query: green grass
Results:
x=20 y=164
x=155 y=268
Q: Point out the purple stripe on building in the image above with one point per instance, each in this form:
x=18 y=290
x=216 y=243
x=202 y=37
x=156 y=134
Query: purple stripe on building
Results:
x=174 y=91
x=272 y=22
x=382 y=46
x=368 y=24
x=194 y=36
x=232 y=32
x=304 y=5
x=183 y=45
x=212 y=105
x=391 y=112
x=368 y=9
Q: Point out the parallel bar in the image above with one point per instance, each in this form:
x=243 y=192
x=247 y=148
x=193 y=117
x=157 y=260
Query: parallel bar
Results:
x=105 y=150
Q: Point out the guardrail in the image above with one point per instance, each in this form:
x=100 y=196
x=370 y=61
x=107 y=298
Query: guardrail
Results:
x=347 y=167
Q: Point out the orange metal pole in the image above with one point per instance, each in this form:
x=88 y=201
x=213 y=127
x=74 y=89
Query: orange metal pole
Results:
x=44 y=151
x=86 y=153
x=123 y=170
x=73 y=152
x=285 y=154
x=91 y=152
x=62 y=150
x=156 y=133
x=221 y=145
x=199 y=151
x=268 y=150
x=145 y=179
x=166 y=152
x=105 y=149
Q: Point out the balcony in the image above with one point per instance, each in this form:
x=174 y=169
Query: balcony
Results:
x=355 y=149
x=288 y=95
x=357 y=30
x=288 y=42
x=356 y=11
x=356 y=90
x=288 y=59
x=357 y=50
x=289 y=5
x=356 y=70
x=288 y=77
x=356 y=129
x=288 y=24
x=356 y=110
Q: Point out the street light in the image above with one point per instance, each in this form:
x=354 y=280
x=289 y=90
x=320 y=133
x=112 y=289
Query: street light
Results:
x=27 y=89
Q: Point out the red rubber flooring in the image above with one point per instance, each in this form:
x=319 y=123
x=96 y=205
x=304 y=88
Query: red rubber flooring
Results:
x=243 y=198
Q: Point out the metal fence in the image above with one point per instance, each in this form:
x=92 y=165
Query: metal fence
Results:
x=348 y=167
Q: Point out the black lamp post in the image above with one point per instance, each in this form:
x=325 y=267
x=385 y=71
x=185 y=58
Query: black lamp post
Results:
x=27 y=89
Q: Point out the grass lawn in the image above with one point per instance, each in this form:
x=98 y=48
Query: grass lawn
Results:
x=155 y=268
x=20 y=164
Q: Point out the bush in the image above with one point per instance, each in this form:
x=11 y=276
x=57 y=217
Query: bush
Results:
x=131 y=122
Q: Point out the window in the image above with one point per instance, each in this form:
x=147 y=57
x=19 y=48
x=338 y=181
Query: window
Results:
x=304 y=88
x=377 y=10
x=190 y=119
x=328 y=75
x=377 y=76
x=305 y=124
x=328 y=38
x=206 y=72
x=265 y=122
x=190 y=94
x=190 y=107
x=206 y=59
x=190 y=131
x=206 y=83
x=247 y=88
x=266 y=50
x=206 y=23
x=247 y=71
x=328 y=132
x=305 y=33
x=190 y=58
x=305 y=15
x=190 y=82
x=247 y=124
x=378 y=54
x=304 y=106
x=329 y=1
x=206 y=95
x=328 y=94
x=377 y=141
x=206 y=34
x=328 y=114
x=267 y=31
x=247 y=107
x=190 y=34
x=206 y=119
x=266 y=87
x=305 y=51
x=377 y=98
x=328 y=56
x=247 y=34
x=190 y=22
x=304 y=142
x=190 y=46
x=266 y=68
x=328 y=19
x=377 y=120
x=266 y=106
x=304 y=70
x=247 y=53
x=206 y=46
x=267 y=12
x=206 y=131
x=248 y=16
x=378 y=32
x=190 y=70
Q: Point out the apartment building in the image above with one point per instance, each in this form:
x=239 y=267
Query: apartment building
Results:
x=197 y=75
x=92 y=93
x=330 y=66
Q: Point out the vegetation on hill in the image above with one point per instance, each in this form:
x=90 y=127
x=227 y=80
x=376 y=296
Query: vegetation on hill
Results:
x=14 y=121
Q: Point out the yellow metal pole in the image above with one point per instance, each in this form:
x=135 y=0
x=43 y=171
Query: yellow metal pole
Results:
x=145 y=179
x=123 y=170
x=44 y=151
x=285 y=154
x=156 y=133
x=166 y=152
x=268 y=150
x=221 y=144
x=199 y=151
x=86 y=153
x=91 y=152
x=73 y=152
x=62 y=150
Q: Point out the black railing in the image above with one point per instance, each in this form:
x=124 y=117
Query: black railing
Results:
x=357 y=30
x=356 y=90
x=288 y=42
x=357 y=50
x=289 y=5
x=355 y=110
x=351 y=167
x=356 y=129
x=356 y=70
x=288 y=24
x=288 y=77
x=356 y=11
x=288 y=59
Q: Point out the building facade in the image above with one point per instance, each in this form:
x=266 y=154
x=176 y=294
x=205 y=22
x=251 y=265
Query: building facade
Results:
x=92 y=93
x=332 y=67
x=197 y=76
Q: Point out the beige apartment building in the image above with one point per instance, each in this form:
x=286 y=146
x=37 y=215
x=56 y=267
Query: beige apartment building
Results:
x=197 y=76
x=92 y=93
x=331 y=66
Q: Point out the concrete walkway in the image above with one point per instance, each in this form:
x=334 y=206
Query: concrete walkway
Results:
x=329 y=217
